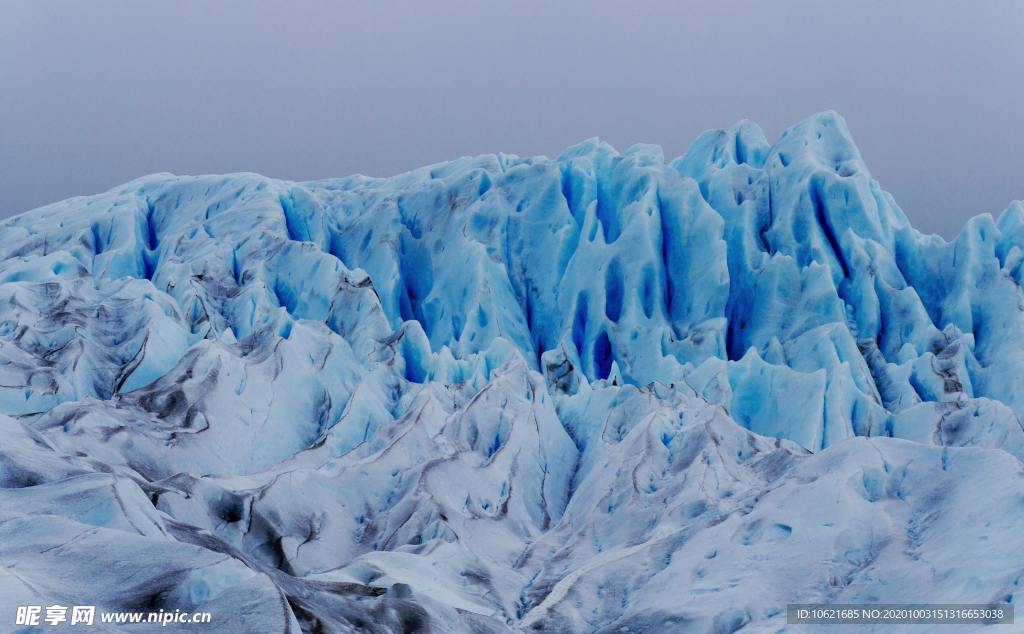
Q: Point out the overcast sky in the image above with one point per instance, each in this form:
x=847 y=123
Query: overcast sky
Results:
x=94 y=93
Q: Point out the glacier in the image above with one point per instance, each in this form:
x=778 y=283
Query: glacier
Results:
x=598 y=393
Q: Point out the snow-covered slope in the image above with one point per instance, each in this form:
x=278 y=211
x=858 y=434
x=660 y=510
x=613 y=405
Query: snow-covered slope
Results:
x=603 y=392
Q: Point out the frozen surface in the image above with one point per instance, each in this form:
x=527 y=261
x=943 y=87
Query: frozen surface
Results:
x=603 y=392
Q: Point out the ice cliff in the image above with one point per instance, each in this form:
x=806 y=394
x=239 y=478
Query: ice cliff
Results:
x=603 y=392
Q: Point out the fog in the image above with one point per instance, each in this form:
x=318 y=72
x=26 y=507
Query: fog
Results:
x=96 y=93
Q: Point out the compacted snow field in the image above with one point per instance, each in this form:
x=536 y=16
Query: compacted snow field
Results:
x=603 y=392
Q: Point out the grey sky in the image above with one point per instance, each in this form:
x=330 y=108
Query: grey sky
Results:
x=94 y=93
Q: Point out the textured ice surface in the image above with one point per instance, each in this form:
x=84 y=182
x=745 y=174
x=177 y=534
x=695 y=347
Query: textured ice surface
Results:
x=603 y=392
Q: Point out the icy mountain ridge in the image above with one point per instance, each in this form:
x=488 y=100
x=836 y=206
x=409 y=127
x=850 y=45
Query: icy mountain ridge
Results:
x=539 y=393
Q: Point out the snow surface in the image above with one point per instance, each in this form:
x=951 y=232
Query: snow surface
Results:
x=596 y=393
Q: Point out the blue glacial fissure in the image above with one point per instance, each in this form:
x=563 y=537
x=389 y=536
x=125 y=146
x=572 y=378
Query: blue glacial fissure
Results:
x=736 y=248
